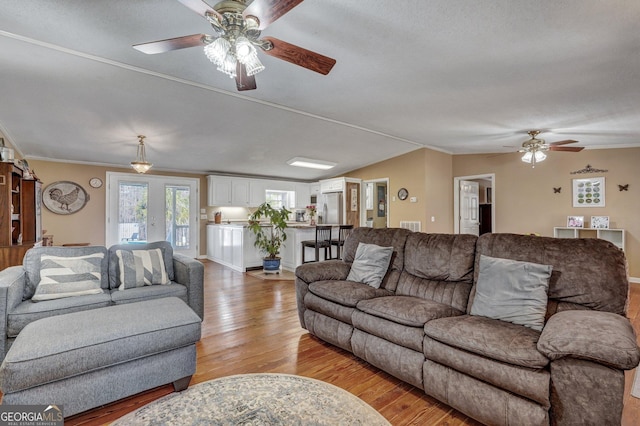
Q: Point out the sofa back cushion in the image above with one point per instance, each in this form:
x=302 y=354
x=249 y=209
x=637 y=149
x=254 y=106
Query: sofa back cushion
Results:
x=114 y=260
x=385 y=237
x=32 y=264
x=587 y=273
x=438 y=267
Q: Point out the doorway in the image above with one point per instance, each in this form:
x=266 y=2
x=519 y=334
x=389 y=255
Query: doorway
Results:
x=143 y=208
x=482 y=209
x=375 y=213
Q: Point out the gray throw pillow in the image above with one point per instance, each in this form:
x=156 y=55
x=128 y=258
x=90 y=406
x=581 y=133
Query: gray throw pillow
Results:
x=370 y=264
x=68 y=276
x=513 y=291
x=141 y=267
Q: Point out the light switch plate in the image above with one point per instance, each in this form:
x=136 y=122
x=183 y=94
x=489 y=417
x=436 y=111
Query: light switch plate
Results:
x=413 y=199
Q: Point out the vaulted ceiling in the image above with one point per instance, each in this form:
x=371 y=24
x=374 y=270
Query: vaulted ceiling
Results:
x=459 y=76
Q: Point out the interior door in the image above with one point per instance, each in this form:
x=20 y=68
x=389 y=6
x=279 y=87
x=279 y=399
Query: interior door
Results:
x=469 y=212
x=145 y=208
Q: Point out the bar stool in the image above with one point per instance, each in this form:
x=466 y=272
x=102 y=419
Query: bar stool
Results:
x=323 y=240
x=343 y=233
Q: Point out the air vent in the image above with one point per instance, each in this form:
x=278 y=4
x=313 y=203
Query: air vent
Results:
x=410 y=225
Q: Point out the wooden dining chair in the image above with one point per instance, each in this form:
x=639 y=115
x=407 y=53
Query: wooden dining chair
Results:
x=343 y=233
x=323 y=240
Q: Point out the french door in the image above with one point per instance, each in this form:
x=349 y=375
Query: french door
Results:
x=146 y=208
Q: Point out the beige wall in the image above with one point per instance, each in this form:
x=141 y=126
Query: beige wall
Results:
x=427 y=175
x=525 y=202
x=88 y=225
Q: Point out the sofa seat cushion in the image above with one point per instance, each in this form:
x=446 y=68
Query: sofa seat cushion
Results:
x=399 y=334
x=531 y=383
x=139 y=294
x=28 y=311
x=511 y=343
x=407 y=310
x=347 y=293
x=59 y=347
x=327 y=307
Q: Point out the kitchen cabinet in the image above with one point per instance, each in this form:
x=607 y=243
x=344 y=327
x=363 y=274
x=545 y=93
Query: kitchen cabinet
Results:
x=232 y=246
x=332 y=185
x=257 y=191
x=218 y=191
x=303 y=195
x=240 y=192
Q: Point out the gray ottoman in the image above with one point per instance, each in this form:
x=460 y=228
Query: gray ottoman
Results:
x=86 y=359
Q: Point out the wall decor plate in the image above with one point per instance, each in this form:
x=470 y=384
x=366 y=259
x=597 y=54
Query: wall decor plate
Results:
x=64 y=197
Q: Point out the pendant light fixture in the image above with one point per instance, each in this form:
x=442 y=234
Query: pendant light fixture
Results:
x=141 y=165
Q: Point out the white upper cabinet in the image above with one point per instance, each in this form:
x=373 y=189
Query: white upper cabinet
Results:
x=219 y=191
x=240 y=192
x=303 y=195
x=257 y=191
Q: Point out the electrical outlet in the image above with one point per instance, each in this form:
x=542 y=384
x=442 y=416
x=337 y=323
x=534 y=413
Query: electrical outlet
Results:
x=203 y=217
x=433 y=218
x=203 y=211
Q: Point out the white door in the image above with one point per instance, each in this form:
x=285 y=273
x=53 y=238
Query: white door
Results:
x=143 y=208
x=469 y=222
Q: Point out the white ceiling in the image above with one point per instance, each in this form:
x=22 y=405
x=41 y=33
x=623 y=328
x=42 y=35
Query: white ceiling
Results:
x=460 y=76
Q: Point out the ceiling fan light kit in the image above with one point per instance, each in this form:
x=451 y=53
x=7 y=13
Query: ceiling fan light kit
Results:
x=141 y=165
x=534 y=149
x=234 y=47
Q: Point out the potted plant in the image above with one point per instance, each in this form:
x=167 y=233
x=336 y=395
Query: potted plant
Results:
x=269 y=236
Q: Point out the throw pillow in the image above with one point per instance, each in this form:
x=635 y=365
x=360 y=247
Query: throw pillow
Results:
x=141 y=267
x=68 y=276
x=370 y=264
x=513 y=291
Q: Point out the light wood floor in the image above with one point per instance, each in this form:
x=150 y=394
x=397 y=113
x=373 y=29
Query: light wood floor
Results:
x=251 y=326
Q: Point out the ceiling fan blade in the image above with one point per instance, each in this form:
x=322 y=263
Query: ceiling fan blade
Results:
x=268 y=11
x=563 y=142
x=566 y=148
x=299 y=56
x=200 y=7
x=167 y=45
x=243 y=81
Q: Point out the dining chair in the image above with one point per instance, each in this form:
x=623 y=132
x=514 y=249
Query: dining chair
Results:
x=343 y=233
x=323 y=240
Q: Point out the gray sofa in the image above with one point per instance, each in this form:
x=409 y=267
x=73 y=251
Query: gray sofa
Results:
x=417 y=326
x=18 y=285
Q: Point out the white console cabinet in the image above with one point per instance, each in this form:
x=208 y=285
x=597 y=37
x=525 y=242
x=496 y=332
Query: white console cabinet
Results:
x=615 y=236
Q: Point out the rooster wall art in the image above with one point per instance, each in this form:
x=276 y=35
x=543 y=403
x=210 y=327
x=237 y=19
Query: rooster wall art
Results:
x=64 y=197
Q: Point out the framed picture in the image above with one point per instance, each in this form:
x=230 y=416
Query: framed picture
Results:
x=575 y=221
x=588 y=192
x=64 y=197
x=600 y=222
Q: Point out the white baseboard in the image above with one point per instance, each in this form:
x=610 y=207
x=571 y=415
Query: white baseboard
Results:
x=634 y=280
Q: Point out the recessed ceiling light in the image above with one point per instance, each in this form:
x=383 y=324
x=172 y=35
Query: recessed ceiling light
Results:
x=311 y=163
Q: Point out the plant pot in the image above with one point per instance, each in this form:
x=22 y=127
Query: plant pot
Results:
x=271 y=266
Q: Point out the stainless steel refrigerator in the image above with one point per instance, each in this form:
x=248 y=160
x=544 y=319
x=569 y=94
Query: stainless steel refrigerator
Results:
x=332 y=206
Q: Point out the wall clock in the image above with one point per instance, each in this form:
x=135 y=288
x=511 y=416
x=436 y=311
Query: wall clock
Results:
x=403 y=194
x=64 y=197
x=95 y=182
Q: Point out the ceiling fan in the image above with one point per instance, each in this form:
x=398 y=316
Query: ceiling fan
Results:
x=238 y=28
x=534 y=149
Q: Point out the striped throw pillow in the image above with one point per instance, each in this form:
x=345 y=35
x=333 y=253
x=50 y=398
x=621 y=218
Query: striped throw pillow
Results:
x=141 y=267
x=68 y=276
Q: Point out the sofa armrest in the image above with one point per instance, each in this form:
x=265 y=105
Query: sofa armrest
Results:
x=334 y=270
x=190 y=273
x=12 y=282
x=602 y=337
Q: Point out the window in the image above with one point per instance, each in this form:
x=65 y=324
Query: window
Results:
x=279 y=199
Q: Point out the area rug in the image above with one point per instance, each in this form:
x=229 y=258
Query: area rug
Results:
x=281 y=276
x=635 y=389
x=257 y=399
